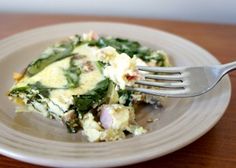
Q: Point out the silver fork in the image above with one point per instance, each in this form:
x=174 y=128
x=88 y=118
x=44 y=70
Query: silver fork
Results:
x=181 y=81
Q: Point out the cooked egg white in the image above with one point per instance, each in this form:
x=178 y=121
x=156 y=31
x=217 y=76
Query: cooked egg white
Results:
x=114 y=120
x=121 y=66
x=91 y=128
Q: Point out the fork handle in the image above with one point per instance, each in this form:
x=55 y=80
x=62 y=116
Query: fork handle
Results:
x=228 y=67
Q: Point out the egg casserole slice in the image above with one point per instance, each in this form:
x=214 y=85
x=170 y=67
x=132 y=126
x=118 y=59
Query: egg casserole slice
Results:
x=81 y=82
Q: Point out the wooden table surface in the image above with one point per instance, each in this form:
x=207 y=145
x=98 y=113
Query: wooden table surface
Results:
x=217 y=148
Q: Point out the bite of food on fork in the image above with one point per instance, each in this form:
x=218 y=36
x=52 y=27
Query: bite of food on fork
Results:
x=180 y=81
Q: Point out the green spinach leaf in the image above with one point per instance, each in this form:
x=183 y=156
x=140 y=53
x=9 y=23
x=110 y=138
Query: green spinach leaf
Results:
x=43 y=90
x=100 y=65
x=126 y=96
x=72 y=75
x=49 y=56
x=129 y=47
x=28 y=90
x=15 y=91
x=93 y=98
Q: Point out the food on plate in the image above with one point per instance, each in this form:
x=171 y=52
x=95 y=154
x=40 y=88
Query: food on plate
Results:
x=82 y=82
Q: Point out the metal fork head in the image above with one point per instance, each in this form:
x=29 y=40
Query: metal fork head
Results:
x=177 y=81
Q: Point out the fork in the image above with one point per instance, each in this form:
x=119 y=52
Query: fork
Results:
x=181 y=81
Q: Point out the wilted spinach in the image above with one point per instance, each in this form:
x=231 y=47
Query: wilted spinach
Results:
x=52 y=54
x=129 y=47
x=126 y=96
x=84 y=103
x=72 y=75
x=28 y=90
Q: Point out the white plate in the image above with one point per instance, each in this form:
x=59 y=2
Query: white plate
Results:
x=32 y=138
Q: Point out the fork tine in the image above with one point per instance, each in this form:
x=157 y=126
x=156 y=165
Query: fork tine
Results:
x=162 y=84
x=164 y=77
x=165 y=93
x=161 y=69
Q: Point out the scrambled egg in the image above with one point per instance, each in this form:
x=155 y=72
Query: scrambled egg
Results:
x=114 y=120
x=122 y=69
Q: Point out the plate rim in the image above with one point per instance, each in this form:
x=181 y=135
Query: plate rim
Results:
x=36 y=160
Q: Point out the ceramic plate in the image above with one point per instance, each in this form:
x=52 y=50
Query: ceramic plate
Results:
x=31 y=138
